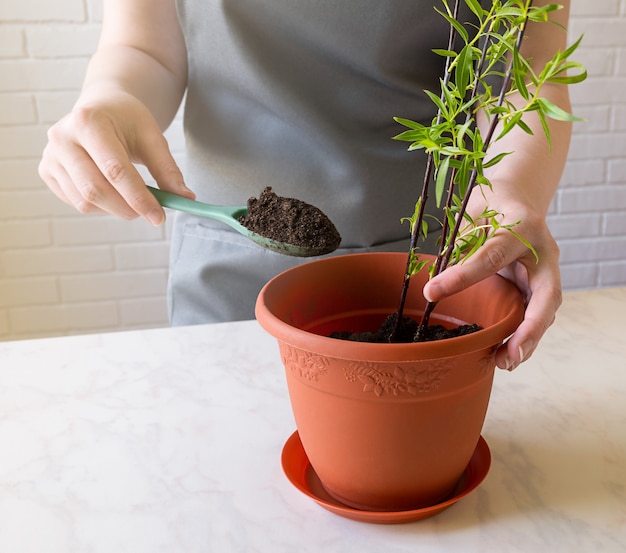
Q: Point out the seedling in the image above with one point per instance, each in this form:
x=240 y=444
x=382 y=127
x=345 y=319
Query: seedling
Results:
x=478 y=53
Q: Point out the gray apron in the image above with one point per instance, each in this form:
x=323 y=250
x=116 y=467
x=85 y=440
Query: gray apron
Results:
x=299 y=95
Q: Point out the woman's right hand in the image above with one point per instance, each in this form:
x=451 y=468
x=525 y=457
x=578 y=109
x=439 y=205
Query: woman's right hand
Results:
x=89 y=159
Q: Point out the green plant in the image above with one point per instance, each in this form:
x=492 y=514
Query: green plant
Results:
x=488 y=49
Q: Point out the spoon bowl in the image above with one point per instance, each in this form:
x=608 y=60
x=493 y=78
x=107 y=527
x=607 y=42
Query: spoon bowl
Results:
x=230 y=215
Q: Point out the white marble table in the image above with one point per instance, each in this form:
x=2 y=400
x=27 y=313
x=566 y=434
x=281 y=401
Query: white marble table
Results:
x=169 y=440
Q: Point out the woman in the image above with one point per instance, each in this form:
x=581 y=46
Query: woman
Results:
x=300 y=96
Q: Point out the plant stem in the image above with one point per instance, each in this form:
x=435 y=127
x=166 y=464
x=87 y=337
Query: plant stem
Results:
x=417 y=227
x=445 y=254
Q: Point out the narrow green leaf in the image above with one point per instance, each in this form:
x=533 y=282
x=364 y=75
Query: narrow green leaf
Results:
x=526 y=243
x=519 y=76
x=546 y=128
x=437 y=101
x=445 y=53
x=408 y=123
x=496 y=159
x=476 y=8
x=409 y=136
x=458 y=27
x=578 y=77
x=572 y=48
x=509 y=124
x=440 y=183
x=522 y=125
x=555 y=112
x=464 y=70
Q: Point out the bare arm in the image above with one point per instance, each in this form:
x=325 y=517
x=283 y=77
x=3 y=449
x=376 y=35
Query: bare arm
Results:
x=141 y=52
x=523 y=186
x=132 y=89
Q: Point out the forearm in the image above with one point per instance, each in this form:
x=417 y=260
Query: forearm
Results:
x=120 y=69
x=141 y=53
x=533 y=172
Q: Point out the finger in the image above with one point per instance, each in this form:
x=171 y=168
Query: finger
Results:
x=114 y=164
x=495 y=255
x=48 y=170
x=59 y=182
x=540 y=315
x=86 y=188
x=545 y=297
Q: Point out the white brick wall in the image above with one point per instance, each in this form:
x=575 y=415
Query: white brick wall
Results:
x=589 y=212
x=58 y=275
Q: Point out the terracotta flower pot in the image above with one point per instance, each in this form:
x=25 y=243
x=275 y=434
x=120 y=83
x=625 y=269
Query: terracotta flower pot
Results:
x=384 y=426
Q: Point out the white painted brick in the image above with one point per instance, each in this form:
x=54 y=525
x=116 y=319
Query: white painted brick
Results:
x=22 y=141
x=579 y=172
x=17 y=109
x=28 y=291
x=19 y=174
x=592 y=198
x=42 y=10
x=11 y=42
x=35 y=74
x=576 y=225
x=616 y=171
x=612 y=274
x=615 y=224
x=52 y=106
x=79 y=230
x=145 y=312
x=31 y=203
x=598 y=61
x=595 y=119
x=598 y=146
x=94 y=8
x=141 y=256
x=599 y=31
x=619 y=117
x=113 y=286
x=52 y=41
x=601 y=248
x=24 y=233
x=577 y=276
x=593 y=9
x=67 y=318
x=599 y=91
x=58 y=261
x=620 y=62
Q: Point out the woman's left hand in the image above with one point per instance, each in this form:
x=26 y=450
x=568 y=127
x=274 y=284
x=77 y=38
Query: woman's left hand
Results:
x=538 y=279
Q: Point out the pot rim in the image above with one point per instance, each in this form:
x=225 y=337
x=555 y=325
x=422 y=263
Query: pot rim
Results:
x=489 y=337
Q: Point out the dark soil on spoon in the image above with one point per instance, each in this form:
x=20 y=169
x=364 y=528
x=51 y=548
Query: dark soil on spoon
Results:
x=292 y=221
x=407 y=332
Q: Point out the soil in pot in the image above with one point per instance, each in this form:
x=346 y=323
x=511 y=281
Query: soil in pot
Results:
x=290 y=220
x=407 y=332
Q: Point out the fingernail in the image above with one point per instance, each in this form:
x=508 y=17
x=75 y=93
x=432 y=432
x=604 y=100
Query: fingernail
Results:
x=428 y=292
x=507 y=364
x=524 y=350
x=189 y=190
x=155 y=217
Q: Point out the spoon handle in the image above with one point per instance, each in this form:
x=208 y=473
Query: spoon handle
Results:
x=225 y=214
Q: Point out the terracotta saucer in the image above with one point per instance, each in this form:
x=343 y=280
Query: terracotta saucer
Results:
x=300 y=473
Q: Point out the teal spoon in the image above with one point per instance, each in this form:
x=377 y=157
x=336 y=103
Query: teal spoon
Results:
x=230 y=215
